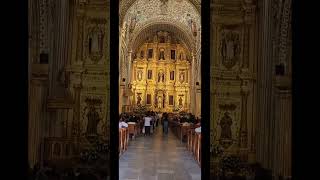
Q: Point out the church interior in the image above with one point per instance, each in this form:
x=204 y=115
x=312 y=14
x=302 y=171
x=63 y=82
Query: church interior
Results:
x=160 y=89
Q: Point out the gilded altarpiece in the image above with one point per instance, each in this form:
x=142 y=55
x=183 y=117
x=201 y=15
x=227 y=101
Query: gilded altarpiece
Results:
x=161 y=70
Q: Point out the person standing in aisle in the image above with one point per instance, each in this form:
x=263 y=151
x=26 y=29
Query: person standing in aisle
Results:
x=147 y=123
x=165 y=121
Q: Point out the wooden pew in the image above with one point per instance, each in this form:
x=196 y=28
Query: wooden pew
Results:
x=184 y=131
x=198 y=148
x=120 y=141
x=194 y=143
x=132 y=129
x=123 y=139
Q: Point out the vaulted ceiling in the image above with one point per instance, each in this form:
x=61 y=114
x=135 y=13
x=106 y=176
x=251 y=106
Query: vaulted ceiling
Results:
x=140 y=18
x=126 y=4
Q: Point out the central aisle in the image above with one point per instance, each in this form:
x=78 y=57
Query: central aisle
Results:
x=158 y=157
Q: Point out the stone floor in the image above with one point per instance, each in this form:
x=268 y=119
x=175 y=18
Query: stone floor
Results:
x=158 y=157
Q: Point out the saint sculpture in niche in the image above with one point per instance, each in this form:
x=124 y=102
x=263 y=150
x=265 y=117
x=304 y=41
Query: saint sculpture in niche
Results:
x=138 y=100
x=229 y=48
x=161 y=57
x=95 y=44
x=181 y=77
x=180 y=102
x=225 y=124
x=93 y=120
x=161 y=77
x=139 y=75
x=159 y=102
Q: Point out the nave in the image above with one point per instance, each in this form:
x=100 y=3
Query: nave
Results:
x=158 y=157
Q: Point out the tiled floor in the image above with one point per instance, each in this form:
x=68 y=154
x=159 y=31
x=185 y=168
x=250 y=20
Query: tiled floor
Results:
x=158 y=157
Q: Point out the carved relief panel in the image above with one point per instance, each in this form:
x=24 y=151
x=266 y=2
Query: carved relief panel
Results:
x=233 y=62
x=229 y=46
x=93 y=115
x=94 y=43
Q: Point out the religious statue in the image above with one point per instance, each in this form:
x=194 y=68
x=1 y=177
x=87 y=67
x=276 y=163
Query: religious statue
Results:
x=159 y=77
x=139 y=75
x=159 y=102
x=162 y=77
x=95 y=43
x=161 y=54
x=132 y=24
x=138 y=100
x=93 y=120
x=180 y=101
x=225 y=124
x=229 y=48
x=149 y=74
x=194 y=28
x=181 y=77
x=192 y=25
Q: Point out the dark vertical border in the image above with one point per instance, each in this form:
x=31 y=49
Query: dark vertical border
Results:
x=114 y=89
x=305 y=92
x=205 y=89
x=14 y=79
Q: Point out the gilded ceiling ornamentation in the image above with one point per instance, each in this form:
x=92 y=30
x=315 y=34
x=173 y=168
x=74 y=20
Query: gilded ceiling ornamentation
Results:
x=144 y=12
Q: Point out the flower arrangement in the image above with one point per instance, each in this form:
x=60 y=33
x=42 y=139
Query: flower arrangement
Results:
x=176 y=109
x=216 y=150
x=231 y=163
x=97 y=150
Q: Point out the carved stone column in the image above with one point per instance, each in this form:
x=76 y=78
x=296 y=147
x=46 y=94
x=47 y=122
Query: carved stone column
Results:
x=249 y=18
x=80 y=36
x=283 y=127
x=36 y=120
x=265 y=91
x=60 y=47
x=245 y=64
x=76 y=111
x=244 y=124
x=129 y=68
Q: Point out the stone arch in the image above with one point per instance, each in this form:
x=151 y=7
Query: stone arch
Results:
x=141 y=35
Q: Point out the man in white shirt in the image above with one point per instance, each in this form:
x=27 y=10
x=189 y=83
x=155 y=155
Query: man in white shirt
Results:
x=147 y=124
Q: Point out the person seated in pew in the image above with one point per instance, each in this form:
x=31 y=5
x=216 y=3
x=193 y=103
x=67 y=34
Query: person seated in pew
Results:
x=122 y=124
x=132 y=120
x=198 y=129
x=186 y=123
